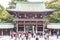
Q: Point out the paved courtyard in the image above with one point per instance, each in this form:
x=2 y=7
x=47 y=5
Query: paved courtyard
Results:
x=40 y=38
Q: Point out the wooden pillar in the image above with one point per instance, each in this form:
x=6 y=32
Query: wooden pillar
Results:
x=36 y=26
x=10 y=32
x=17 y=26
x=25 y=15
x=43 y=27
x=33 y=29
x=16 y=21
x=2 y=32
x=24 y=26
x=50 y=32
x=35 y=15
x=58 y=31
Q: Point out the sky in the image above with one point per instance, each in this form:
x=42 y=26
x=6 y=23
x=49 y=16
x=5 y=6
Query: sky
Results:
x=6 y=2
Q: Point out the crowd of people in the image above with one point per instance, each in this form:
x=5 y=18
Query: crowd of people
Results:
x=24 y=36
x=28 y=36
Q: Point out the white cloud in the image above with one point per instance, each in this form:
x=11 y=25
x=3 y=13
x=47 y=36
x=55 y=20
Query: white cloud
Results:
x=4 y=3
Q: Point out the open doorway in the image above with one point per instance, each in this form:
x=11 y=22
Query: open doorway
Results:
x=54 y=32
x=28 y=28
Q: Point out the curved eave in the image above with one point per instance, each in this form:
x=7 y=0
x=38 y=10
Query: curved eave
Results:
x=45 y=10
x=6 y=25
x=30 y=2
x=53 y=26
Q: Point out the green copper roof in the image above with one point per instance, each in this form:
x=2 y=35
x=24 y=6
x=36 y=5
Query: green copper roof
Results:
x=30 y=7
x=6 y=25
x=30 y=2
x=53 y=26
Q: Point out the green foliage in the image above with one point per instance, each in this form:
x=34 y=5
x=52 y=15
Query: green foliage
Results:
x=4 y=15
x=55 y=17
x=55 y=4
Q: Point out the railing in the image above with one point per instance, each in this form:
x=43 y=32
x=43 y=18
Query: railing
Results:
x=16 y=19
x=37 y=32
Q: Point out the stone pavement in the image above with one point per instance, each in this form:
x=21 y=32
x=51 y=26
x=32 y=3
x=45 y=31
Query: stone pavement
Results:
x=9 y=38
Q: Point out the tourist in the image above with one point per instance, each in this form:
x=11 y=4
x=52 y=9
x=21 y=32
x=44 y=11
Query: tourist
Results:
x=46 y=36
x=16 y=36
x=57 y=35
x=37 y=37
x=11 y=34
x=25 y=33
x=23 y=37
x=29 y=36
x=19 y=36
x=32 y=34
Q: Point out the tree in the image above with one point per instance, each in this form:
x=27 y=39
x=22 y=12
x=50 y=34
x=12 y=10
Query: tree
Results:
x=4 y=15
x=12 y=4
x=46 y=3
x=55 y=17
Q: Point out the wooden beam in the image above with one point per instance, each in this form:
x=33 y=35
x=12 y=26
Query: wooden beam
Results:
x=43 y=27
